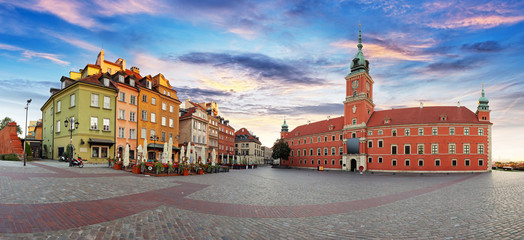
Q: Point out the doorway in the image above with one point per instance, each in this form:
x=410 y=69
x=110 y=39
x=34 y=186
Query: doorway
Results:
x=353 y=165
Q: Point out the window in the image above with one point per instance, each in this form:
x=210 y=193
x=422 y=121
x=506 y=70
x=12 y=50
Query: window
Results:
x=326 y=151
x=132 y=133
x=325 y=138
x=95 y=152
x=163 y=138
x=72 y=100
x=318 y=161
x=144 y=115
x=58 y=126
x=393 y=149
x=451 y=131
x=121 y=114
x=305 y=152
x=132 y=100
x=312 y=161
x=453 y=162
x=370 y=133
x=379 y=159
x=481 y=131
x=420 y=162
x=144 y=98
x=311 y=152
x=319 y=152
x=332 y=161
x=466 y=162
x=153 y=117
x=170 y=108
x=132 y=82
x=340 y=137
x=452 y=148
x=407 y=149
x=370 y=143
x=106 y=80
x=340 y=150
x=333 y=150
x=420 y=148
x=421 y=131
x=466 y=131
x=152 y=133
x=58 y=106
x=94 y=123
x=380 y=132
x=121 y=78
x=121 y=132
x=318 y=139
x=406 y=162
x=394 y=132
x=164 y=121
x=370 y=159
x=106 y=124
x=132 y=116
x=164 y=106
x=380 y=143
x=480 y=148
x=466 y=149
x=406 y=131
x=481 y=162
x=122 y=96
x=394 y=162
x=437 y=162
x=171 y=123
x=333 y=138
x=107 y=102
x=354 y=121
x=353 y=135
x=149 y=84
x=434 y=148
x=434 y=131
x=153 y=101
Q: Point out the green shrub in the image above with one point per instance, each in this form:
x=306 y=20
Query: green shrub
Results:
x=1 y=156
x=28 y=151
x=11 y=157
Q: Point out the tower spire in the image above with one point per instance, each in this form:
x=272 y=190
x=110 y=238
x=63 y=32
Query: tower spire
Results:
x=359 y=45
x=359 y=63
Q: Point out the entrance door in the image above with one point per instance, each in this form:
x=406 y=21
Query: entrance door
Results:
x=353 y=165
x=60 y=151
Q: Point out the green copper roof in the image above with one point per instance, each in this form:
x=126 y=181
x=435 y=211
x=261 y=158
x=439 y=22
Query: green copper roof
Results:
x=483 y=101
x=284 y=127
x=359 y=62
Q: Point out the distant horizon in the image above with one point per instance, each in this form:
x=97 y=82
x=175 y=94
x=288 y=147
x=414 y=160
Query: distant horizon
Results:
x=263 y=61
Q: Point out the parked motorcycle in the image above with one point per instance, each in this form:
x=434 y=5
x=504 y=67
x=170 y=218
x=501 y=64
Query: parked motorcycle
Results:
x=77 y=162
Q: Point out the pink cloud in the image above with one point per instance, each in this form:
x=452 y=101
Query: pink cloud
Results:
x=379 y=51
x=478 y=22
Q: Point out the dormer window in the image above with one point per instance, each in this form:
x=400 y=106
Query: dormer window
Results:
x=121 y=78
x=132 y=82
x=149 y=85
x=443 y=117
x=63 y=84
x=387 y=120
x=106 y=82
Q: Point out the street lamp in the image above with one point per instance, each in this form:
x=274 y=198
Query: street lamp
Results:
x=25 y=131
x=71 y=129
x=154 y=138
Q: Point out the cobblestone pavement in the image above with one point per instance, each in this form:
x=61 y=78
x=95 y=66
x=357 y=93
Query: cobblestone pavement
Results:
x=49 y=200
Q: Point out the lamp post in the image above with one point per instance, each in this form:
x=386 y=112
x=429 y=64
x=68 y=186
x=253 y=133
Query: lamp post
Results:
x=154 y=138
x=71 y=129
x=25 y=131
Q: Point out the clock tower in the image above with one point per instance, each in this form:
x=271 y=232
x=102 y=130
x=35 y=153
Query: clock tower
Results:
x=358 y=105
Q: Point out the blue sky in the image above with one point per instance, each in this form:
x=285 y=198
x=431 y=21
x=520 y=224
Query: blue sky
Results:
x=266 y=60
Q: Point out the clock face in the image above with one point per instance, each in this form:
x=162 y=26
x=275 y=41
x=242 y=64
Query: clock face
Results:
x=355 y=84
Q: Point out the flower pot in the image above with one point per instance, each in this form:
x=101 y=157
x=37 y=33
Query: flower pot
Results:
x=185 y=172
x=136 y=170
x=117 y=166
x=200 y=171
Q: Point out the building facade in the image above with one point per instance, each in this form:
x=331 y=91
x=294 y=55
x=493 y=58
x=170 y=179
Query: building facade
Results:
x=248 y=147
x=418 y=139
x=226 y=141
x=194 y=123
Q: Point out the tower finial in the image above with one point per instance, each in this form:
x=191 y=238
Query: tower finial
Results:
x=359 y=45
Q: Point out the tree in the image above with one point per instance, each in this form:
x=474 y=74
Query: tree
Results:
x=281 y=150
x=28 y=151
x=7 y=120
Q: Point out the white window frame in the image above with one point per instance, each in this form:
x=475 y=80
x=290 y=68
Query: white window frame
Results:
x=72 y=100
x=153 y=117
x=107 y=102
x=58 y=106
x=95 y=125
x=107 y=124
x=58 y=126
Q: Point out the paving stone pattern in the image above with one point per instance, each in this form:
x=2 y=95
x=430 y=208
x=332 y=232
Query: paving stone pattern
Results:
x=49 y=200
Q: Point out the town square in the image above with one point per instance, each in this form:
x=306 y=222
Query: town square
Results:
x=268 y=119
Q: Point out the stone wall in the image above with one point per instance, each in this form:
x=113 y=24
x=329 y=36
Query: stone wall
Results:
x=10 y=142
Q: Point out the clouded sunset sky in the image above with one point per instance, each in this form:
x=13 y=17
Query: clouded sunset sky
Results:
x=266 y=60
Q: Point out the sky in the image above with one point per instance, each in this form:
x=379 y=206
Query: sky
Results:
x=263 y=61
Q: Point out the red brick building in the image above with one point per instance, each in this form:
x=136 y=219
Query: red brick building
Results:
x=226 y=141
x=10 y=143
x=418 y=139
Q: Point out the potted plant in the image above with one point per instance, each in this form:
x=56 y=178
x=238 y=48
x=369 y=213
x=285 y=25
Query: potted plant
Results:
x=137 y=168
x=184 y=168
x=159 y=167
x=118 y=165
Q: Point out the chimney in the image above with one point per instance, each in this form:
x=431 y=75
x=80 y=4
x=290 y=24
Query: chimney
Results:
x=421 y=104
x=135 y=69
x=458 y=104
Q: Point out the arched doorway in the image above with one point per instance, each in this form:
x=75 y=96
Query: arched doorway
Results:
x=353 y=165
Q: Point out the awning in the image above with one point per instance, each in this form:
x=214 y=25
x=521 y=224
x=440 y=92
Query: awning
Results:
x=160 y=146
x=100 y=141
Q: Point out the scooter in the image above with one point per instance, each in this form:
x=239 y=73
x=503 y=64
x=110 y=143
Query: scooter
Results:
x=77 y=162
x=62 y=159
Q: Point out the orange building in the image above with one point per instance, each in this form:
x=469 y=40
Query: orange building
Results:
x=226 y=141
x=158 y=107
x=126 y=113
x=419 y=139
